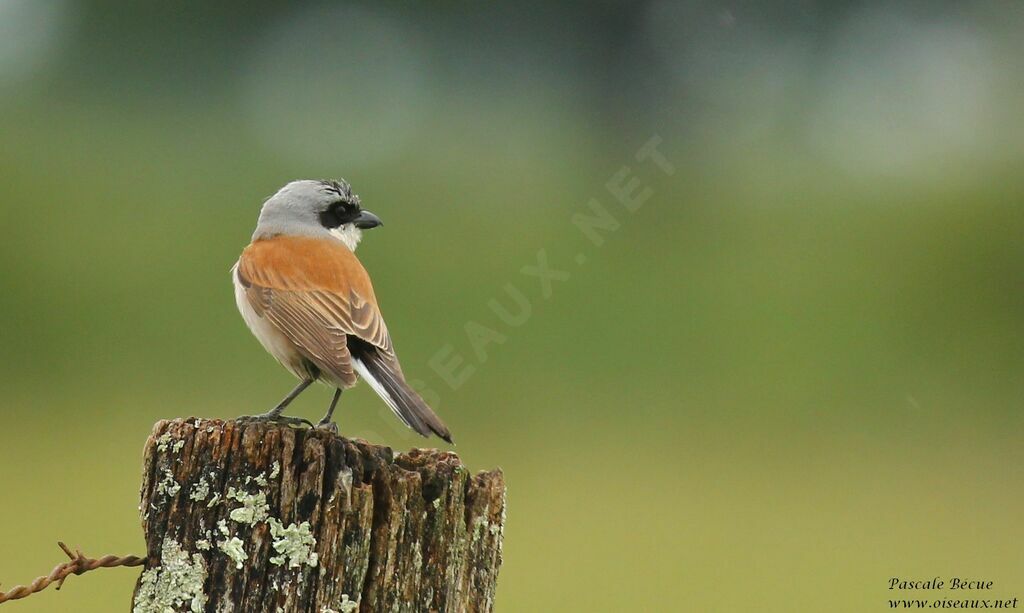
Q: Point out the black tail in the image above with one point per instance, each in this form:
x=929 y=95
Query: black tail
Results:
x=383 y=373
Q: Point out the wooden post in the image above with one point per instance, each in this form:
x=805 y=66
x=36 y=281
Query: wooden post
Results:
x=260 y=517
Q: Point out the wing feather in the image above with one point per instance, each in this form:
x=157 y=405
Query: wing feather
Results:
x=319 y=296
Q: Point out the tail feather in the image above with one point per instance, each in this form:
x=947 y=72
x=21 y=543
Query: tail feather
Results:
x=386 y=379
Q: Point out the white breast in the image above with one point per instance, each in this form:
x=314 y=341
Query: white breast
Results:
x=276 y=343
x=348 y=234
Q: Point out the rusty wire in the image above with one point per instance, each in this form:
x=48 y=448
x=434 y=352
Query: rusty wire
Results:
x=79 y=564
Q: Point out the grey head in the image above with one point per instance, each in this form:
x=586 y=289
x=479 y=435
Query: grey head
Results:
x=315 y=208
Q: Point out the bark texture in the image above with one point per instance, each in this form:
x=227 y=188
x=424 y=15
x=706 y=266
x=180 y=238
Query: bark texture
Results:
x=260 y=517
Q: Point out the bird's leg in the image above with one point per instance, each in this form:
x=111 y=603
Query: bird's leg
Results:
x=326 y=422
x=274 y=414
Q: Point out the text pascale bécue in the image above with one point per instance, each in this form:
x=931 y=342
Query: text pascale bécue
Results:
x=935 y=583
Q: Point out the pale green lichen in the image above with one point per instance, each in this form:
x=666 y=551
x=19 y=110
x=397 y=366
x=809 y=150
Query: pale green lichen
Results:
x=261 y=480
x=346 y=485
x=417 y=555
x=232 y=547
x=203 y=545
x=200 y=490
x=501 y=526
x=222 y=525
x=345 y=606
x=275 y=470
x=481 y=525
x=254 y=507
x=176 y=447
x=163 y=441
x=294 y=543
x=177 y=581
x=478 y=527
x=168 y=485
x=214 y=500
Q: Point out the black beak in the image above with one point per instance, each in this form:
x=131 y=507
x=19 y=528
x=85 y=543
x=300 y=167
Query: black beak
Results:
x=367 y=220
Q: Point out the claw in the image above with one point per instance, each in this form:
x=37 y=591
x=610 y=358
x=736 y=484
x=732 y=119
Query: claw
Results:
x=329 y=426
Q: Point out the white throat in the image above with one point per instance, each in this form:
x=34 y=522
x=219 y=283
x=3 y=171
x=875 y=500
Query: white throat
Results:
x=348 y=234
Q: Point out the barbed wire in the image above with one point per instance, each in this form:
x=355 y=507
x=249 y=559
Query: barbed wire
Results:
x=78 y=565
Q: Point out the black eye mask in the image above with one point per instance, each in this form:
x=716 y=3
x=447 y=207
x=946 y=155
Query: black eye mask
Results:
x=339 y=213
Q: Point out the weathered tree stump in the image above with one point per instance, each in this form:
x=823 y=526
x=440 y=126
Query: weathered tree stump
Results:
x=258 y=517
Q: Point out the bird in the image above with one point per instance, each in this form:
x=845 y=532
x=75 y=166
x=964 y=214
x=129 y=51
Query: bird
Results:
x=310 y=303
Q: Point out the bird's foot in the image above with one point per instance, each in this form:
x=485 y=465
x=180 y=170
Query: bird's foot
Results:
x=329 y=426
x=277 y=418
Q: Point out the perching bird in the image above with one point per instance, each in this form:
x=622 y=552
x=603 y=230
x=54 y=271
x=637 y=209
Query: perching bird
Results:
x=310 y=303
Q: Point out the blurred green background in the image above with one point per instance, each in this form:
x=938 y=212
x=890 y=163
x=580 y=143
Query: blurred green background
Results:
x=795 y=372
